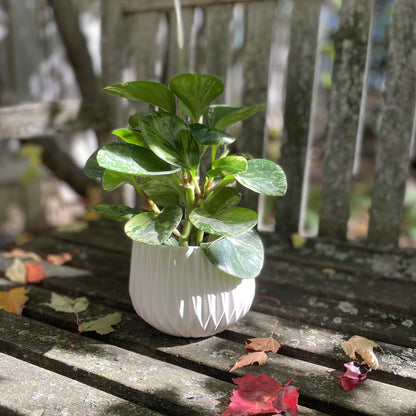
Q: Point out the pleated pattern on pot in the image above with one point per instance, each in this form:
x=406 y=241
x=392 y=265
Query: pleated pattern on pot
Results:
x=178 y=291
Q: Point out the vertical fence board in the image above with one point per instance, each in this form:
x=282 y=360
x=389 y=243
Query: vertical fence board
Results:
x=173 y=56
x=259 y=23
x=144 y=52
x=348 y=79
x=298 y=103
x=218 y=41
x=392 y=159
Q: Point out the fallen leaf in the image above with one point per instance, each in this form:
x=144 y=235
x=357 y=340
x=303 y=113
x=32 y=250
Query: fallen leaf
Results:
x=258 y=395
x=287 y=399
x=65 y=304
x=329 y=270
x=258 y=358
x=364 y=348
x=355 y=375
x=35 y=273
x=14 y=300
x=298 y=241
x=22 y=254
x=59 y=259
x=75 y=227
x=16 y=272
x=102 y=325
x=263 y=344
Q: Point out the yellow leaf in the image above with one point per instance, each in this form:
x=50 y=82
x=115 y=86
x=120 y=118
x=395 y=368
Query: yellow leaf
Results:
x=14 y=300
x=65 y=304
x=364 y=348
x=328 y=270
x=102 y=325
x=16 y=272
x=297 y=241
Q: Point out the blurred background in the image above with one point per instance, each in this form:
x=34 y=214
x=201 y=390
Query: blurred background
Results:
x=56 y=55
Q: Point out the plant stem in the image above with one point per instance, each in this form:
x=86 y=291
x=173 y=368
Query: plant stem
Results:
x=140 y=191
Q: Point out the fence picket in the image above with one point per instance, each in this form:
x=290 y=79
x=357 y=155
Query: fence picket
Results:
x=392 y=159
x=348 y=82
x=299 y=89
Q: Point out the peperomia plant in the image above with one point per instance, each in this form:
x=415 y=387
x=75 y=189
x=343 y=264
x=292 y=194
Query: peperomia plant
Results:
x=189 y=203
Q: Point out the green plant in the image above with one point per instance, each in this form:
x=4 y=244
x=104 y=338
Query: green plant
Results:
x=160 y=156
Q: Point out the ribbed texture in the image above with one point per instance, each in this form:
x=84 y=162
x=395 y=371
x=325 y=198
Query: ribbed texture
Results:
x=178 y=291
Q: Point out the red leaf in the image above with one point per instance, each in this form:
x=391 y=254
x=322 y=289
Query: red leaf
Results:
x=355 y=375
x=257 y=395
x=287 y=399
x=34 y=272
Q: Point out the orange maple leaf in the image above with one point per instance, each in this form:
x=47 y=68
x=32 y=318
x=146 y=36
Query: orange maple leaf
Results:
x=14 y=300
x=258 y=358
x=35 y=273
x=263 y=344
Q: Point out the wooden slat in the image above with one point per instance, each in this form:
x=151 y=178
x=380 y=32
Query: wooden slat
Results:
x=218 y=50
x=348 y=82
x=392 y=159
x=173 y=59
x=45 y=393
x=299 y=90
x=37 y=119
x=259 y=21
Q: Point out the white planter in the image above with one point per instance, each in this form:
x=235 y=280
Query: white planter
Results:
x=178 y=291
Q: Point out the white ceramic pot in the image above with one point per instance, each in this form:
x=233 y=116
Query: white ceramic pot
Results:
x=178 y=291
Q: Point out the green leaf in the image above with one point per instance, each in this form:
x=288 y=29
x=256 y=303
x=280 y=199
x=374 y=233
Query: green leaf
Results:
x=207 y=136
x=263 y=176
x=131 y=159
x=196 y=91
x=112 y=180
x=230 y=222
x=149 y=92
x=92 y=169
x=65 y=304
x=154 y=229
x=117 y=212
x=221 y=116
x=169 y=138
x=103 y=325
x=162 y=190
x=221 y=198
x=229 y=165
x=240 y=256
x=130 y=136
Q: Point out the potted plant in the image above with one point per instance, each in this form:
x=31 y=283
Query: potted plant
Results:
x=195 y=251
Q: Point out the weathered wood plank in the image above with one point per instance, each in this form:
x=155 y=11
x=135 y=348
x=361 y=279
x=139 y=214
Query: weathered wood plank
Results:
x=259 y=21
x=131 y=376
x=29 y=390
x=347 y=86
x=135 y=376
x=393 y=147
x=301 y=70
x=218 y=38
x=24 y=121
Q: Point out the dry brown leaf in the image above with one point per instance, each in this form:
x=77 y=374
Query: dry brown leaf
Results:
x=258 y=358
x=16 y=272
x=364 y=348
x=13 y=300
x=22 y=254
x=263 y=344
x=59 y=259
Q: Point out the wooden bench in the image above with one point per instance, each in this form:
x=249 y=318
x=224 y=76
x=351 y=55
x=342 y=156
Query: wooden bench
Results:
x=327 y=293
x=329 y=289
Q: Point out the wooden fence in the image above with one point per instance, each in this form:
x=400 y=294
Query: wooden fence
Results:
x=235 y=41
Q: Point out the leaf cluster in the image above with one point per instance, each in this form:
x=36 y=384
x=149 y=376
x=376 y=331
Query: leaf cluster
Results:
x=161 y=155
